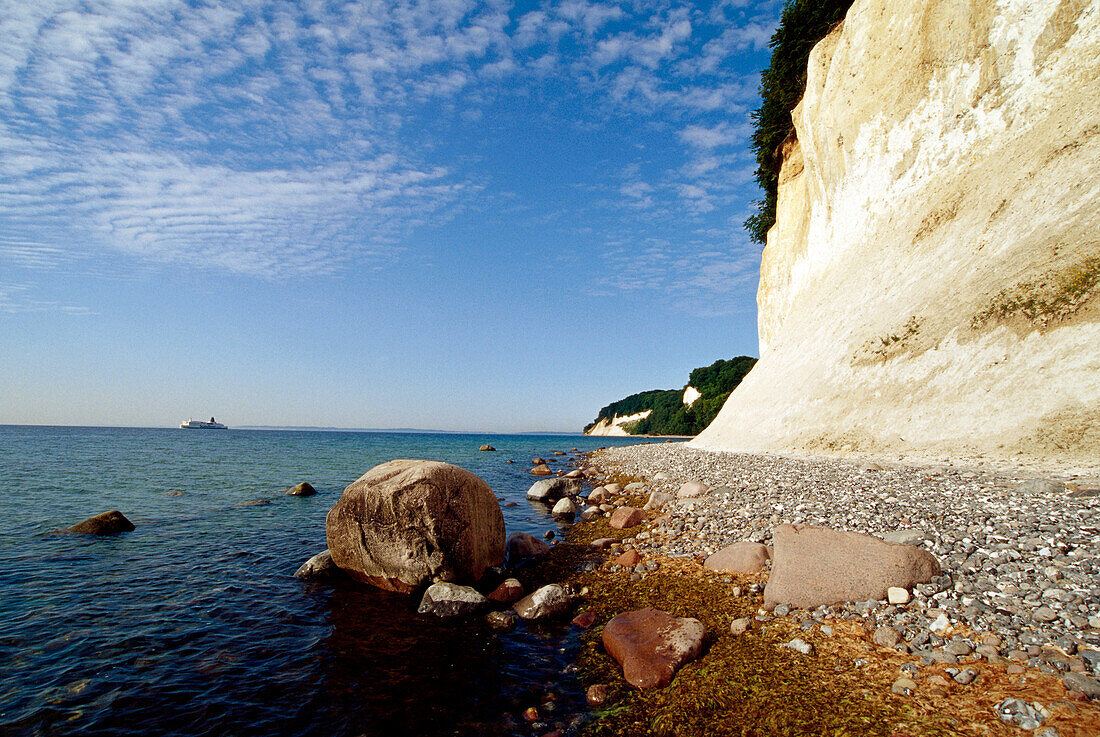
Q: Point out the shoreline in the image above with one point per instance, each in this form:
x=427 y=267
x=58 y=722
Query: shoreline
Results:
x=1010 y=544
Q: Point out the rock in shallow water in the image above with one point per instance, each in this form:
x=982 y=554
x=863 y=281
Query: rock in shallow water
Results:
x=548 y=601
x=106 y=523
x=521 y=547
x=302 y=489
x=550 y=490
x=407 y=522
x=319 y=566
x=450 y=600
x=651 y=645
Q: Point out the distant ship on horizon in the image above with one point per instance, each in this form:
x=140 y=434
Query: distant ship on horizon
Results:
x=202 y=425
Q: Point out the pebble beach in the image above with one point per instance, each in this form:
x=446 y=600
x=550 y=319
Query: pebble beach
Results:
x=1019 y=549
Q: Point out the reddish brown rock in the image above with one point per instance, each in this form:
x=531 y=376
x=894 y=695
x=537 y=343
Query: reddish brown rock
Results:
x=406 y=523
x=629 y=559
x=596 y=695
x=742 y=557
x=510 y=591
x=625 y=517
x=541 y=470
x=584 y=620
x=652 y=645
x=814 y=566
x=599 y=496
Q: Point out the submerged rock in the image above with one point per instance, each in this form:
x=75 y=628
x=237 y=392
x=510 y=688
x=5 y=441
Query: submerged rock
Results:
x=522 y=546
x=319 y=566
x=651 y=645
x=550 y=490
x=302 y=489
x=106 y=523
x=406 y=522
x=486 y=447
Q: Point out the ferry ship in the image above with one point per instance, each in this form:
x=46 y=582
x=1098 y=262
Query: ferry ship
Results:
x=202 y=425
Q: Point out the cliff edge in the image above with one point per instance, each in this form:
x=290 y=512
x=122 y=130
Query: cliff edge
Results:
x=930 y=282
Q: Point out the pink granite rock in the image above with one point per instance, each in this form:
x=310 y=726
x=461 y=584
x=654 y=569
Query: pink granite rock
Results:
x=742 y=557
x=652 y=645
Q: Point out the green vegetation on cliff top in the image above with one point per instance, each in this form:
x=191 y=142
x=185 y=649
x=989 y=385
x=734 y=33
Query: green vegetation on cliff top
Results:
x=670 y=416
x=802 y=24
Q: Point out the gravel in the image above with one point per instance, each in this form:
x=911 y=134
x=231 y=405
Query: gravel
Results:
x=1020 y=554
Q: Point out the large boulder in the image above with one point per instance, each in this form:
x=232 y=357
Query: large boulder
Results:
x=550 y=490
x=651 y=645
x=450 y=600
x=815 y=566
x=742 y=557
x=106 y=523
x=406 y=523
x=522 y=546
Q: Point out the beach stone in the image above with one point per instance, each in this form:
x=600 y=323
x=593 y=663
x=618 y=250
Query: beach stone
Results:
x=742 y=557
x=897 y=595
x=1080 y=682
x=590 y=513
x=584 y=620
x=548 y=601
x=574 y=474
x=658 y=499
x=603 y=542
x=550 y=490
x=886 y=636
x=904 y=686
x=613 y=489
x=538 y=461
x=691 y=489
x=564 y=508
x=486 y=447
x=501 y=621
x=625 y=517
x=905 y=537
x=634 y=487
x=629 y=559
x=814 y=566
x=407 y=522
x=596 y=695
x=599 y=496
x=541 y=470
x=799 y=646
x=521 y=546
x=319 y=566
x=1044 y=614
x=740 y=626
x=651 y=645
x=1019 y=712
x=509 y=591
x=302 y=489
x=107 y=523
x=661 y=476
x=450 y=600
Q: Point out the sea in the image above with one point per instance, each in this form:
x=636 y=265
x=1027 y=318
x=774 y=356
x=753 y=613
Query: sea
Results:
x=194 y=624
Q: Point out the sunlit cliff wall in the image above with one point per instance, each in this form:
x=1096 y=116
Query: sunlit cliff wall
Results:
x=929 y=284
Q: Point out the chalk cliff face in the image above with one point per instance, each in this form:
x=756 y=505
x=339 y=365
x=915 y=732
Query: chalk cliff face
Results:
x=929 y=284
x=615 y=426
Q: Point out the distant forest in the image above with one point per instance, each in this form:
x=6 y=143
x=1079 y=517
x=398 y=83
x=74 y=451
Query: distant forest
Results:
x=802 y=24
x=670 y=416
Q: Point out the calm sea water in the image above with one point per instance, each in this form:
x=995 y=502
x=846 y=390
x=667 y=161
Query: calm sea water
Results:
x=193 y=624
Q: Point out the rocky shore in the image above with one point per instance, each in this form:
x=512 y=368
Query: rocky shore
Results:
x=1014 y=610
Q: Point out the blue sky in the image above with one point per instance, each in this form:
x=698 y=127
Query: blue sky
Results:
x=444 y=214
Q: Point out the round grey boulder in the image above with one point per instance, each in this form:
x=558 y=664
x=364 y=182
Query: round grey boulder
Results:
x=550 y=490
x=548 y=601
x=319 y=566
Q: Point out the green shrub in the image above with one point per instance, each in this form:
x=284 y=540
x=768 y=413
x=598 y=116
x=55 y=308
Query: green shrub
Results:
x=802 y=24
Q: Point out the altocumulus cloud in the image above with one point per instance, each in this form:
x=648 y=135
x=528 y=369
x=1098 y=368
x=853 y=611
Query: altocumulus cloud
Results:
x=272 y=137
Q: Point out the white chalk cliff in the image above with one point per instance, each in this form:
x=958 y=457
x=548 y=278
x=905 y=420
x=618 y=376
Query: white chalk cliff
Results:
x=930 y=283
x=615 y=425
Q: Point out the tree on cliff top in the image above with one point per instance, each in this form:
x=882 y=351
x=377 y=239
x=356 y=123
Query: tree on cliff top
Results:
x=802 y=24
